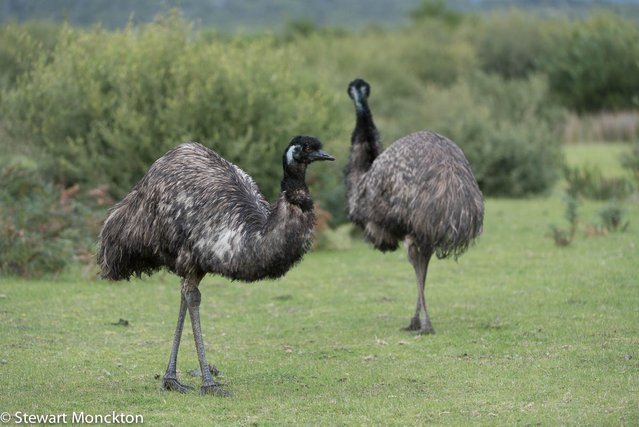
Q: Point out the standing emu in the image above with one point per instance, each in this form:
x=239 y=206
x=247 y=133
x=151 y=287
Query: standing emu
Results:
x=420 y=190
x=194 y=213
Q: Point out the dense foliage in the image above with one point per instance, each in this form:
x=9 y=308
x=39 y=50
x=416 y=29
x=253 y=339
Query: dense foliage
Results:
x=631 y=162
x=594 y=64
x=109 y=104
x=95 y=107
x=37 y=227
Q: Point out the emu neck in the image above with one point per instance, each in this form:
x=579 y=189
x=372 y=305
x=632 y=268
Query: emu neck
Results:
x=365 y=145
x=365 y=130
x=294 y=186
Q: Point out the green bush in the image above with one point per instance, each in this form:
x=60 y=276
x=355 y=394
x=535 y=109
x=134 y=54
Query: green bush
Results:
x=436 y=53
x=594 y=64
x=565 y=236
x=511 y=43
x=110 y=103
x=589 y=182
x=631 y=161
x=505 y=128
x=398 y=61
x=36 y=230
x=436 y=10
x=21 y=46
x=612 y=217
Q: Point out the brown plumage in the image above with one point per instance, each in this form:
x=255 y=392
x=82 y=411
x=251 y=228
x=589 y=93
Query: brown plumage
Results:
x=420 y=190
x=194 y=213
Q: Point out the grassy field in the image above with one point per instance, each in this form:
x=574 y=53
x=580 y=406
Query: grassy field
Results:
x=604 y=156
x=527 y=333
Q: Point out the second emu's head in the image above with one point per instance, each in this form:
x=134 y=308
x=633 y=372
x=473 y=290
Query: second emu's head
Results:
x=359 y=91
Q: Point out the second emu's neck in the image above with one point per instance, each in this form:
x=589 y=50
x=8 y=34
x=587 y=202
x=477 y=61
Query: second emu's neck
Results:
x=365 y=145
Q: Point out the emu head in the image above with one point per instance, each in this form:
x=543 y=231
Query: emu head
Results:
x=359 y=91
x=304 y=150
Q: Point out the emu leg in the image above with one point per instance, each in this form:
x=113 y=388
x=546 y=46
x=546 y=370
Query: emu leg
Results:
x=413 y=257
x=419 y=260
x=193 y=298
x=170 y=381
x=426 y=327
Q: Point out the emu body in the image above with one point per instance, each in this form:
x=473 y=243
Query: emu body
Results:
x=421 y=190
x=194 y=213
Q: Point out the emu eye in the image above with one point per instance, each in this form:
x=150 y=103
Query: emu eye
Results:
x=307 y=149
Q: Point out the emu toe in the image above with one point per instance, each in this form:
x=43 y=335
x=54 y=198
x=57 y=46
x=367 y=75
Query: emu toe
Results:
x=422 y=328
x=426 y=330
x=172 y=384
x=214 y=389
x=414 y=325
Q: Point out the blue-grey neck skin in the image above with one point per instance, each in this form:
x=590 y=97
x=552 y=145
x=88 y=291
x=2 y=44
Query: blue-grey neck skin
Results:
x=359 y=99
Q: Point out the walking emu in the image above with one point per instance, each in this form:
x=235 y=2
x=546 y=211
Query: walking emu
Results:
x=194 y=213
x=420 y=190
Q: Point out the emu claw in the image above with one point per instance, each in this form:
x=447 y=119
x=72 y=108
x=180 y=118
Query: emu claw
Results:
x=172 y=384
x=414 y=325
x=214 y=389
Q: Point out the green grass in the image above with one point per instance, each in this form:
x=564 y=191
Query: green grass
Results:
x=605 y=156
x=527 y=333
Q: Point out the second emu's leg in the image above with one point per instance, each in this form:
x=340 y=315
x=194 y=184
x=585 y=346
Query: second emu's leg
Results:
x=193 y=297
x=170 y=381
x=419 y=259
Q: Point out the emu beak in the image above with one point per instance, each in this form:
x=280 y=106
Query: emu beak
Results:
x=320 y=155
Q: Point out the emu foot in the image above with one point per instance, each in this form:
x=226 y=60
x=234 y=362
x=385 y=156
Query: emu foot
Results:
x=421 y=328
x=214 y=389
x=172 y=384
x=426 y=330
x=414 y=325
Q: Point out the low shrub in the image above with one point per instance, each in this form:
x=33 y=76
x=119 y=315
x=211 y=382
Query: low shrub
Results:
x=588 y=181
x=631 y=161
x=612 y=217
x=565 y=236
x=37 y=226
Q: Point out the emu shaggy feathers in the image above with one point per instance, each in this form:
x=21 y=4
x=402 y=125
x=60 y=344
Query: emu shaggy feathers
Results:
x=195 y=213
x=420 y=190
x=421 y=186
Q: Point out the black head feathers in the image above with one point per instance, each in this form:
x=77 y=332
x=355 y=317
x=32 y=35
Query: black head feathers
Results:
x=359 y=88
x=304 y=150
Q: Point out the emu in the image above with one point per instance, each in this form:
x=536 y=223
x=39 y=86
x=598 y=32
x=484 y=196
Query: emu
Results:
x=420 y=190
x=193 y=213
